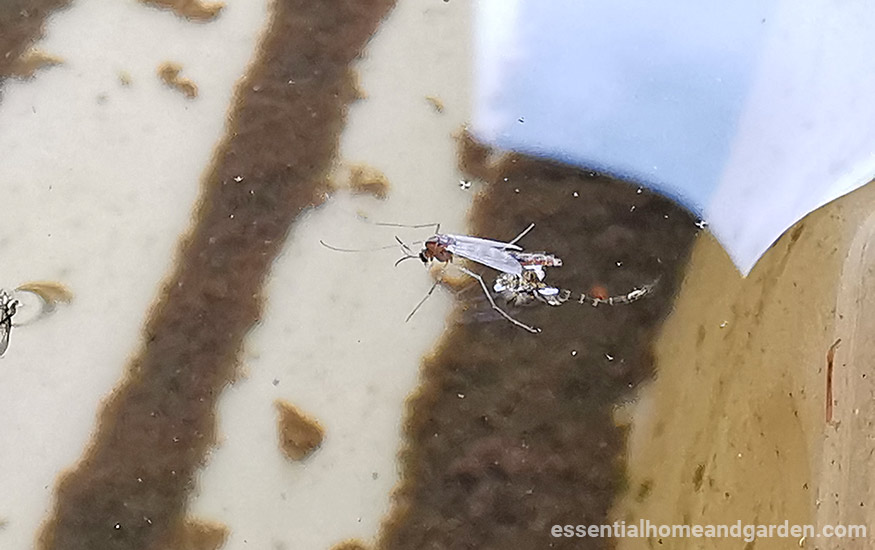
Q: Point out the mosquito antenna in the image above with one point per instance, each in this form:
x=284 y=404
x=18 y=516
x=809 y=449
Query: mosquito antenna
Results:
x=405 y=258
x=423 y=299
x=338 y=249
x=437 y=226
x=521 y=235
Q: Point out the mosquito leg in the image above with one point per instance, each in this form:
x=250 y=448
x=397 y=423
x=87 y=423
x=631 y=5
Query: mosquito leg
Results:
x=404 y=246
x=434 y=286
x=492 y=302
x=523 y=234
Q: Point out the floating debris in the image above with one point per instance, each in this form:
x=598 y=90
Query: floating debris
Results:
x=436 y=103
x=124 y=79
x=364 y=179
x=830 y=359
x=51 y=293
x=26 y=66
x=193 y=10
x=299 y=434
x=168 y=72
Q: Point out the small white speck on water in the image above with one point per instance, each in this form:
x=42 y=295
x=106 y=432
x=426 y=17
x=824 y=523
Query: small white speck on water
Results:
x=231 y=216
x=632 y=208
x=609 y=357
x=238 y=179
x=619 y=264
x=516 y=190
x=640 y=190
x=576 y=194
x=573 y=352
x=505 y=179
x=460 y=395
x=665 y=216
x=723 y=324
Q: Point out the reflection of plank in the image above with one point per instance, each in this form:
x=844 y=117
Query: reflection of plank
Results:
x=846 y=493
x=156 y=428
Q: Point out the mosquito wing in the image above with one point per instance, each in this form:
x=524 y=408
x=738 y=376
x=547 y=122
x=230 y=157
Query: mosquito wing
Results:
x=486 y=254
x=483 y=242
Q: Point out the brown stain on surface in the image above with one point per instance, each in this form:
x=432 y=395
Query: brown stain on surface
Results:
x=299 y=434
x=510 y=433
x=194 y=10
x=168 y=72
x=155 y=429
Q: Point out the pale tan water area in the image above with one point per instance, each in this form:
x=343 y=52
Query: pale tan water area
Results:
x=99 y=181
x=333 y=340
x=734 y=425
x=108 y=219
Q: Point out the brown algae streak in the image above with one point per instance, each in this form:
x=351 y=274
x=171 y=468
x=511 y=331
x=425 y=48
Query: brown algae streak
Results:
x=510 y=433
x=130 y=489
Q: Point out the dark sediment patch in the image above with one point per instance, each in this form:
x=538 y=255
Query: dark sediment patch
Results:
x=21 y=24
x=131 y=487
x=511 y=433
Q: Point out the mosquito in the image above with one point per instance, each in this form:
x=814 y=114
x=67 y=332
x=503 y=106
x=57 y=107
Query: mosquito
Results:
x=8 y=308
x=504 y=257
